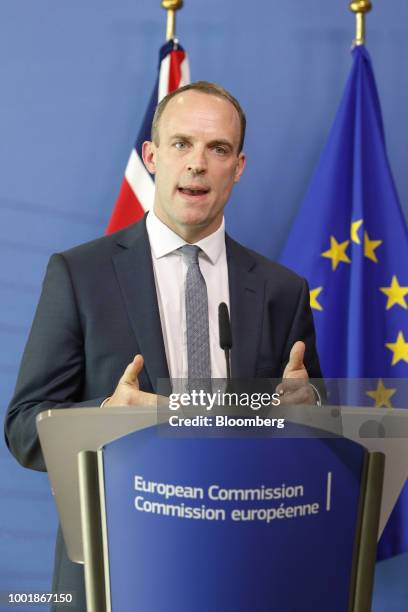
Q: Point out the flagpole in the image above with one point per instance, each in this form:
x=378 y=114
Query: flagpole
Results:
x=360 y=8
x=171 y=6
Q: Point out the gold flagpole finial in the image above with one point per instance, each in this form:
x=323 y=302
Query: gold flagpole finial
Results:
x=360 y=8
x=171 y=6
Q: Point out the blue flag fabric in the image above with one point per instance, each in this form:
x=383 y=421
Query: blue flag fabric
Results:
x=350 y=242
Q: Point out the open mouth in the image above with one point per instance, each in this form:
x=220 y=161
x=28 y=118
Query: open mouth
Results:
x=193 y=191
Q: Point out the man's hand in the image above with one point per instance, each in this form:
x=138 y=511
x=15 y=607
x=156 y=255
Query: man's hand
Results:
x=295 y=388
x=128 y=393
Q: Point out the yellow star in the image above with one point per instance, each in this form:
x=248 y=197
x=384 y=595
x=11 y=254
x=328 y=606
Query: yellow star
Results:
x=313 y=298
x=381 y=395
x=355 y=226
x=395 y=293
x=399 y=348
x=337 y=252
x=370 y=246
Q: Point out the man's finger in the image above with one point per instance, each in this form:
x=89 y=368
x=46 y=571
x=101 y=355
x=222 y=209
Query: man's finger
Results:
x=289 y=385
x=296 y=355
x=303 y=396
x=130 y=375
x=295 y=358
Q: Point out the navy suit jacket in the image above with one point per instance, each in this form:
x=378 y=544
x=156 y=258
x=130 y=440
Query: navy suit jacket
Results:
x=98 y=308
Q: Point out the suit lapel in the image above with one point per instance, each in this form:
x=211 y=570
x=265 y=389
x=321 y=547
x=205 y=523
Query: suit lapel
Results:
x=134 y=269
x=246 y=304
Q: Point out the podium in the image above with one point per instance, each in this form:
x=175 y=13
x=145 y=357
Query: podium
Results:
x=228 y=521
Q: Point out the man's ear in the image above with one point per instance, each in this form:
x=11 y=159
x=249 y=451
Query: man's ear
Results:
x=149 y=155
x=240 y=167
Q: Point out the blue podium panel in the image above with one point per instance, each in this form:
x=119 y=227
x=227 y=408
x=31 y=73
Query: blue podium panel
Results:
x=234 y=524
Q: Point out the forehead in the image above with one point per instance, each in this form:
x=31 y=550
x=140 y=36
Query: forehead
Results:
x=197 y=112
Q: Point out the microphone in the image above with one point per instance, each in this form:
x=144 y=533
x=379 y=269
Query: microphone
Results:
x=224 y=326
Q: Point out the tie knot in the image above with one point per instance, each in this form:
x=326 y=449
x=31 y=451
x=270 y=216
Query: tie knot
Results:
x=190 y=253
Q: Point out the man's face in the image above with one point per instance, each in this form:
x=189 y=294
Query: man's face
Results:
x=196 y=163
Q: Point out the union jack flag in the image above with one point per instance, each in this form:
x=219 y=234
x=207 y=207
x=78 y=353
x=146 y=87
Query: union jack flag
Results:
x=137 y=190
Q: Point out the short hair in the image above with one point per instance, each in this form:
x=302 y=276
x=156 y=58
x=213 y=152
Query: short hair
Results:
x=205 y=87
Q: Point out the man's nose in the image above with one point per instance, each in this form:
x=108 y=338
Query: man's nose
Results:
x=195 y=169
x=197 y=163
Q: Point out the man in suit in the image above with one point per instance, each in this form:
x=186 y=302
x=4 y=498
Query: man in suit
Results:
x=111 y=317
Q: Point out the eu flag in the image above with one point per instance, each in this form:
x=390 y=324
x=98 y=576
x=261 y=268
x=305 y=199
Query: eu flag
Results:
x=351 y=243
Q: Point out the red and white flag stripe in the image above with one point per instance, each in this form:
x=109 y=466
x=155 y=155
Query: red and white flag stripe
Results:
x=136 y=194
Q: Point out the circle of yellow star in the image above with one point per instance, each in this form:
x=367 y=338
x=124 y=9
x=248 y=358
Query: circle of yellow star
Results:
x=313 y=298
x=370 y=246
x=399 y=349
x=395 y=293
x=381 y=395
x=337 y=252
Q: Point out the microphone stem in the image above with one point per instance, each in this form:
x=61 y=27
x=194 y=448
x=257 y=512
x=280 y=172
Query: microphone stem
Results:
x=227 y=360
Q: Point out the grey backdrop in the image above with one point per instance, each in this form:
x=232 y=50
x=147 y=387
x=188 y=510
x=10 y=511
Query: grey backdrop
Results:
x=75 y=80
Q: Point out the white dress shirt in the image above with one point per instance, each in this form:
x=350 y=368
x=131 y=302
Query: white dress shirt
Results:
x=170 y=274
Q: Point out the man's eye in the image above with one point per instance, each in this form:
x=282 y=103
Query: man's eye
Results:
x=180 y=145
x=220 y=150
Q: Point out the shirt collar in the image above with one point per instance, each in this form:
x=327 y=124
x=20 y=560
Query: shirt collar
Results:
x=164 y=241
